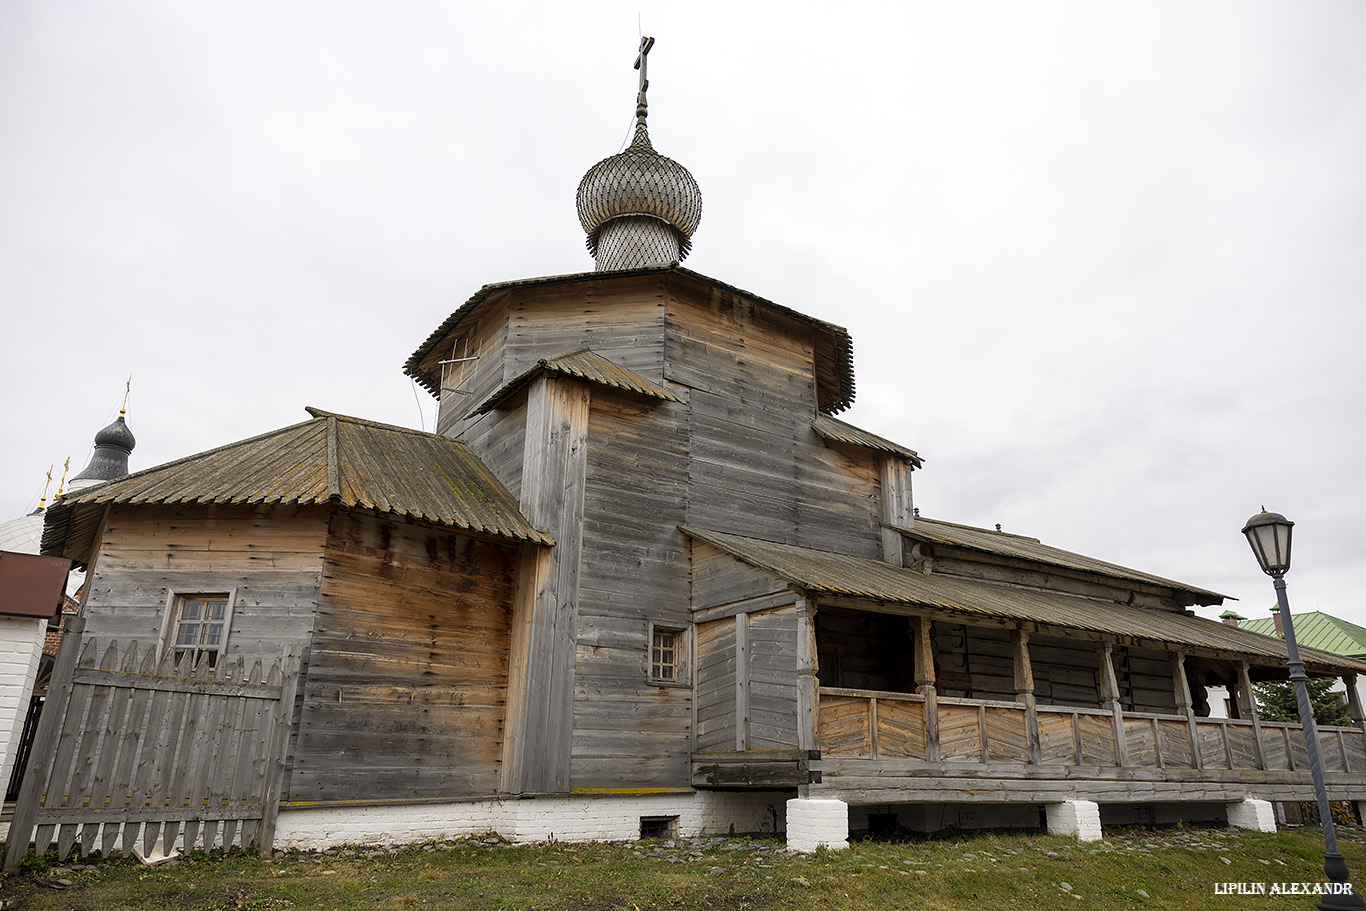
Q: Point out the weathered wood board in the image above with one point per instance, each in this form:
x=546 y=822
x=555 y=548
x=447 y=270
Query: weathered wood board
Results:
x=407 y=678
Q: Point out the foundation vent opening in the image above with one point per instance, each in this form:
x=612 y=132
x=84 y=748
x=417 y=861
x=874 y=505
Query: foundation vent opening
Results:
x=659 y=827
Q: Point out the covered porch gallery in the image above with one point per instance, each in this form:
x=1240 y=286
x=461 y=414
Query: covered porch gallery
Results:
x=906 y=690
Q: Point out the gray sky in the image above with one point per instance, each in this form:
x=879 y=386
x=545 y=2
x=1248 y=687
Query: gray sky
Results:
x=1102 y=263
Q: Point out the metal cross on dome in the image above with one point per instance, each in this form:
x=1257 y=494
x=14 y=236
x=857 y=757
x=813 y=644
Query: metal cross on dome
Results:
x=645 y=45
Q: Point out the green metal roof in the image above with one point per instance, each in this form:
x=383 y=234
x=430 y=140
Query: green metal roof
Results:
x=1318 y=630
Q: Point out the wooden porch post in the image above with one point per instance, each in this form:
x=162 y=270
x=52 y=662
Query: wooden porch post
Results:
x=1245 y=689
x=1354 y=700
x=808 y=692
x=1024 y=692
x=1182 y=687
x=924 y=685
x=1109 y=695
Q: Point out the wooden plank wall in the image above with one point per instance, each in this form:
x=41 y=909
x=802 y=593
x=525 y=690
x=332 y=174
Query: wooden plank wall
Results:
x=407 y=679
x=467 y=384
x=757 y=468
x=498 y=439
x=624 y=323
x=717 y=725
x=719 y=580
x=840 y=503
x=629 y=731
x=271 y=556
x=747 y=681
x=772 y=666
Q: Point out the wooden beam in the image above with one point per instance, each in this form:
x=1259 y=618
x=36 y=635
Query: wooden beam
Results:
x=1245 y=687
x=1353 y=698
x=748 y=605
x=1109 y=690
x=808 y=681
x=1182 y=688
x=924 y=679
x=1024 y=692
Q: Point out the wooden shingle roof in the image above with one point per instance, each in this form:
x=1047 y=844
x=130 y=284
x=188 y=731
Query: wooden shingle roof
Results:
x=330 y=459
x=1031 y=550
x=584 y=365
x=872 y=580
x=834 y=429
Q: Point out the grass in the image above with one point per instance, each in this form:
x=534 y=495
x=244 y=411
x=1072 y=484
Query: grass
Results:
x=1177 y=869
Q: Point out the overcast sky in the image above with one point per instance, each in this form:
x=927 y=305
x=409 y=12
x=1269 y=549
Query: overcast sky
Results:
x=1103 y=263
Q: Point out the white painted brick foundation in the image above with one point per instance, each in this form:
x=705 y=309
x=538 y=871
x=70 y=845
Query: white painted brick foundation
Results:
x=586 y=818
x=21 y=646
x=1252 y=814
x=813 y=823
x=1074 y=817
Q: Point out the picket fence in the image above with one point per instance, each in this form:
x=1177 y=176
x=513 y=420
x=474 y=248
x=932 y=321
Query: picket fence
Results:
x=132 y=749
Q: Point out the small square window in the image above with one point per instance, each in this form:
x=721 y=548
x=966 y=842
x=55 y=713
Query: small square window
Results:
x=666 y=654
x=201 y=627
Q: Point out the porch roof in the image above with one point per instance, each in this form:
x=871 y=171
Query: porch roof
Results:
x=860 y=578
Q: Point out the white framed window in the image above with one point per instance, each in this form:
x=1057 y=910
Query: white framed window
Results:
x=668 y=655
x=198 y=625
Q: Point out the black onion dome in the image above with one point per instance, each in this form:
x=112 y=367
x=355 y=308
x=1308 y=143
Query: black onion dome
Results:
x=116 y=434
x=113 y=445
x=639 y=181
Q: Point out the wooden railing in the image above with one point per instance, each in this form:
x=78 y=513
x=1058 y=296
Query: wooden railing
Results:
x=865 y=724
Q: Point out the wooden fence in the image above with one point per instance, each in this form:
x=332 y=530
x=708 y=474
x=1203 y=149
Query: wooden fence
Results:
x=133 y=749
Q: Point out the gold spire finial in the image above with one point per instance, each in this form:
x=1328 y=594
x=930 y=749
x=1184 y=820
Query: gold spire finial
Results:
x=42 y=501
x=127 y=389
x=66 y=466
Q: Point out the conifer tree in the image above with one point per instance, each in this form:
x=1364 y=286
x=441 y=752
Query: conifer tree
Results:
x=1276 y=701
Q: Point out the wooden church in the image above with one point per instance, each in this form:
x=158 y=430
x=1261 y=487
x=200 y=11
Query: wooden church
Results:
x=642 y=581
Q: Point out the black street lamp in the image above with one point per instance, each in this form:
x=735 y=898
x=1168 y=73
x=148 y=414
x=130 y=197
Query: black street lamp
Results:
x=1269 y=535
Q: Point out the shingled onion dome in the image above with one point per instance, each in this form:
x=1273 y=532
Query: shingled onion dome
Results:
x=638 y=207
x=113 y=445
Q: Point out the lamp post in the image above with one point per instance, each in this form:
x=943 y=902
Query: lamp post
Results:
x=1269 y=535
